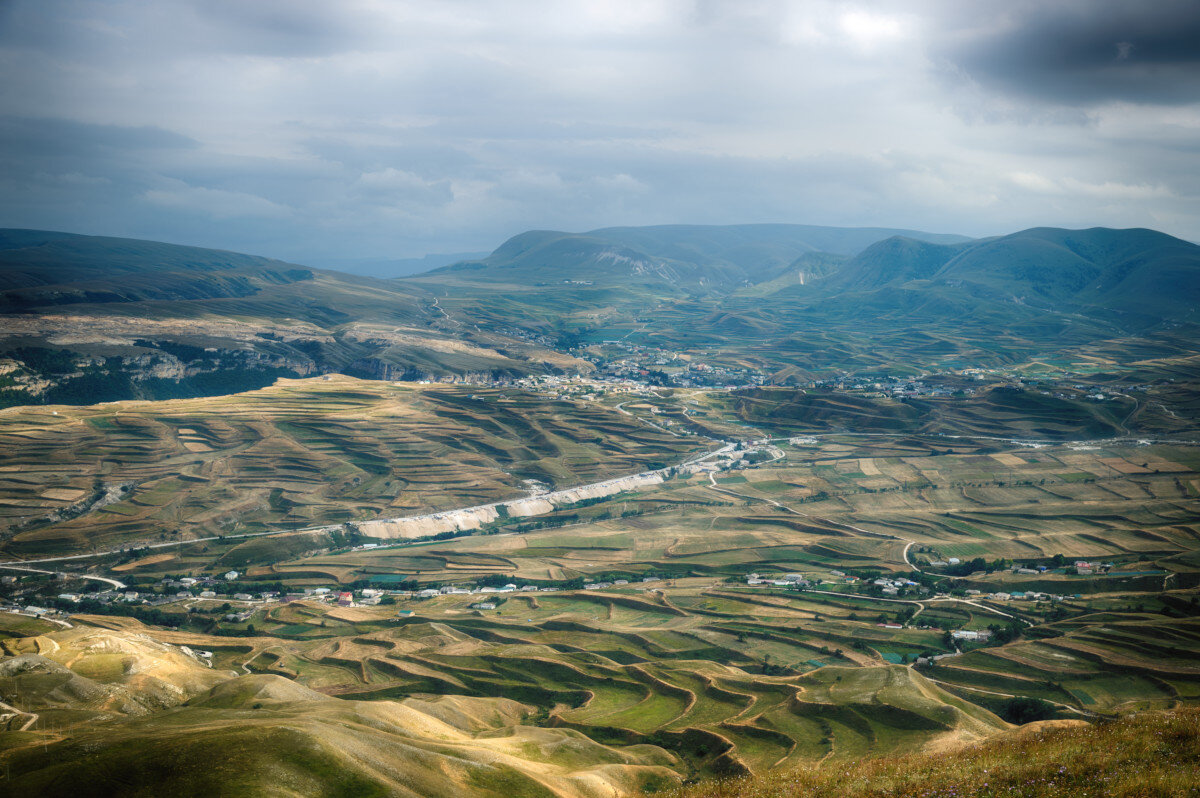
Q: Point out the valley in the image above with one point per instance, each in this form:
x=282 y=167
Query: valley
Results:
x=710 y=503
x=804 y=593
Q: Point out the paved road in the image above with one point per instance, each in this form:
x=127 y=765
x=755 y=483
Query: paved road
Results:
x=33 y=717
x=115 y=583
x=620 y=409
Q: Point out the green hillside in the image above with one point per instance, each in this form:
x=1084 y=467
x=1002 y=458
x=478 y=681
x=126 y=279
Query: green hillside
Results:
x=1141 y=273
x=684 y=257
x=794 y=300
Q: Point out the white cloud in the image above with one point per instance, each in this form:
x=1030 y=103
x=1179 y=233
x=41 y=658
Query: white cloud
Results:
x=869 y=29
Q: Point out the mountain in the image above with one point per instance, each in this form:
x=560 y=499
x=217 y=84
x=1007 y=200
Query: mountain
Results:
x=88 y=318
x=387 y=268
x=795 y=300
x=98 y=319
x=694 y=257
x=41 y=270
x=1143 y=275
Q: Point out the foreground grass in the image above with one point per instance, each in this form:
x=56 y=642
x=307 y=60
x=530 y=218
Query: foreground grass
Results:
x=1148 y=755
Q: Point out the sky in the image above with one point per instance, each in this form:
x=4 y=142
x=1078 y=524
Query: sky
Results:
x=314 y=131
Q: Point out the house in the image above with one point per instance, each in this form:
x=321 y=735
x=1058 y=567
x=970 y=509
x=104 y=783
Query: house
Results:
x=483 y=605
x=970 y=635
x=243 y=597
x=231 y=575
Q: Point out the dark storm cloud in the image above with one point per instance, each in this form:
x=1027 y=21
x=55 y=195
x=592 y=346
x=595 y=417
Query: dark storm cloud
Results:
x=1082 y=53
x=21 y=138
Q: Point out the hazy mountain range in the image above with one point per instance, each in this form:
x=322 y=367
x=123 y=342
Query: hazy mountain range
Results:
x=789 y=299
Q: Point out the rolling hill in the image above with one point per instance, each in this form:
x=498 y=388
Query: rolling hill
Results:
x=212 y=732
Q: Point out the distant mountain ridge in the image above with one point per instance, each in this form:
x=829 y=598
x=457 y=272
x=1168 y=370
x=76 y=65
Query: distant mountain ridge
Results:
x=788 y=300
x=93 y=318
x=799 y=300
x=1137 y=271
x=42 y=268
x=688 y=256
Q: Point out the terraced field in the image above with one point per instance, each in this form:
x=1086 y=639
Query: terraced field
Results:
x=678 y=667
x=724 y=692
x=1109 y=664
x=819 y=509
x=301 y=453
x=725 y=678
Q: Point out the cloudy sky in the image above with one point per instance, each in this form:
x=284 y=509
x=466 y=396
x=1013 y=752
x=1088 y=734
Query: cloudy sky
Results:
x=312 y=130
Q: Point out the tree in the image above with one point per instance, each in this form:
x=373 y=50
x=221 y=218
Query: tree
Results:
x=1025 y=709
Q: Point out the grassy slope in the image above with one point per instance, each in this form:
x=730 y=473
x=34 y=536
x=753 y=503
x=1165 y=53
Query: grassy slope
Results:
x=1153 y=754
